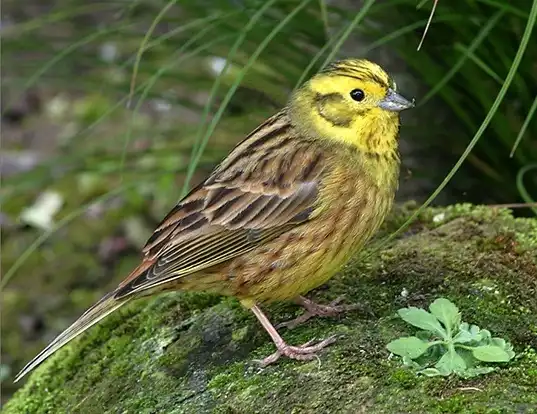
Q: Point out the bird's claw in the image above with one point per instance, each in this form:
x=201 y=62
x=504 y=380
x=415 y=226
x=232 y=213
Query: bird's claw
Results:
x=324 y=311
x=303 y=352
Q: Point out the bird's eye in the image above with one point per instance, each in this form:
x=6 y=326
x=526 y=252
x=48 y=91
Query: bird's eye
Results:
x=358 y=95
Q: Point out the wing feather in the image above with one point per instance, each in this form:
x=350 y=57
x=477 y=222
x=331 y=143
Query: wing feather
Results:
x=265 y=187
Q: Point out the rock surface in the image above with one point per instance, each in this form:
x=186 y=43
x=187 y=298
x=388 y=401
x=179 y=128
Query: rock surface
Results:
x=192 y=353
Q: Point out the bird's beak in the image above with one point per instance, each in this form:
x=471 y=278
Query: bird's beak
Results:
x=395 y=102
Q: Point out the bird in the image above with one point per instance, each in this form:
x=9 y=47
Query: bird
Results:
x=283 y=212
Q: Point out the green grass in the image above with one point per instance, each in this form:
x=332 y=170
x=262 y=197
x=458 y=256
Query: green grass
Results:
x=466 y=63
x=469 y=43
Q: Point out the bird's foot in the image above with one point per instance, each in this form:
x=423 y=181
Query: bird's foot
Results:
x=313 y=309
x=303 y=352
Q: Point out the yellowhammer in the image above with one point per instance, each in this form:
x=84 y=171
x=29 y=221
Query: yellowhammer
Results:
x=284 y=210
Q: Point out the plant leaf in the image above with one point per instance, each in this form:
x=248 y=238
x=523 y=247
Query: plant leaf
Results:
x=484 y=334
x=467 y=333
x=475 y=371
x=446 y=312
x=491 y=353
x=408 y=346
x=425 y=335
x=408 y=362
x=474 y=330
x=463 y=337
x=431 y=372
x=506 y=346
x=499 y=342
x=451 y=362
x=472 y=333
x=422 y=319
x=467 y=356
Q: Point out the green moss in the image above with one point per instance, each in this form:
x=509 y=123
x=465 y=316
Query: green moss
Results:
x=404 y=378
x=185 y=353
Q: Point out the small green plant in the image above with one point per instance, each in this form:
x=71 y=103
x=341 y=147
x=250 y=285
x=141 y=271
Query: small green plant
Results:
x=445 y=345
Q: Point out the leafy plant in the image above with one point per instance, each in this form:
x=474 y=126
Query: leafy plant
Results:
x=445 y=345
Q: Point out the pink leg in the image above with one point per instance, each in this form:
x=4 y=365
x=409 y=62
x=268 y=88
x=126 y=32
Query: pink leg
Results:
x=315 y=309
x=304 y=352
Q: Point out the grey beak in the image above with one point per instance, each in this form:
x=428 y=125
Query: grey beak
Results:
x=395 y=102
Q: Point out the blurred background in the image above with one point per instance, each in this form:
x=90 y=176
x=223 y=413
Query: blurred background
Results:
x=111 y=110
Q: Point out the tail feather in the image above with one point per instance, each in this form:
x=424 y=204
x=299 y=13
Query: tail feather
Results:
x=101 y=309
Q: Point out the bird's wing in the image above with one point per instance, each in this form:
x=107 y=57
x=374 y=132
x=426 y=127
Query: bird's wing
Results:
x=266 y=186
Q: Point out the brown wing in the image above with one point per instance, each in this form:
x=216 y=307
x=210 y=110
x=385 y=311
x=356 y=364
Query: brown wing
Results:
x=266 y=186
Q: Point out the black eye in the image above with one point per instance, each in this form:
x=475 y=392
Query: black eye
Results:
x=358 y=95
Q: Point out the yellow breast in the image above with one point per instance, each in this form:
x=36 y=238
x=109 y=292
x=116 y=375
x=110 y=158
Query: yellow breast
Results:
x=354 y=200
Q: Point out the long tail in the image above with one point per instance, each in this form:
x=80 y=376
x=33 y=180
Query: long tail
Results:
x=101 y=309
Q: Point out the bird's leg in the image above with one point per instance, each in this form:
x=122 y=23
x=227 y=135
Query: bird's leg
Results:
x=313 y=309
x=303 y=352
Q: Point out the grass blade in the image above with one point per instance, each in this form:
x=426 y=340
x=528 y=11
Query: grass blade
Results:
x=233 y=88
x=455 y=68
x=499 y=98
x=525 y=125
x=429 y=21
x=143 y=44
x=216 y=85
x=151 y=81
x=357 y=19
x=522 y=188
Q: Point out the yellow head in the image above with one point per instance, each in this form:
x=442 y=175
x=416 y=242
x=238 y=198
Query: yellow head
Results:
x=353 y=101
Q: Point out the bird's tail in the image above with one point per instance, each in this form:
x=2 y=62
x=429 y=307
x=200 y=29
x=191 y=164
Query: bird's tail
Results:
x=101 y=309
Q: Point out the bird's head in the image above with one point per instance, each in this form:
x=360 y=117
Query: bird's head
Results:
x=354 y=101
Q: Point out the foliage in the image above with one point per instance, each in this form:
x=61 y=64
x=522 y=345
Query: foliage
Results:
x=452 y=346
x=175 y=49
x=465 y=58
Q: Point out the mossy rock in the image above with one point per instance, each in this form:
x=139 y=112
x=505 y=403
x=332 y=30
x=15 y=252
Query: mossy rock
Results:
x=193 y=353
